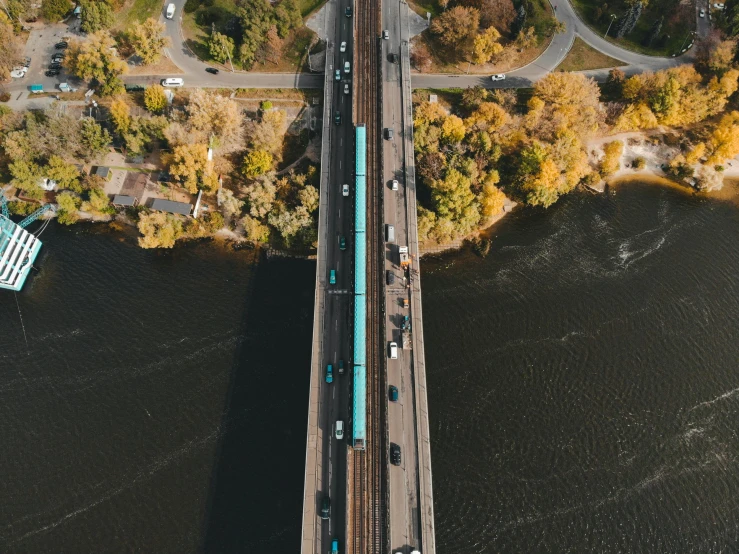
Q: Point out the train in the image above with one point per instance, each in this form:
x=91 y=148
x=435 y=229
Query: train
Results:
x=359 y=364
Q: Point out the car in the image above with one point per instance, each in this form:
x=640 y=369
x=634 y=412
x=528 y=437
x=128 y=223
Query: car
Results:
x=702 y=13
x=339 y=429
x=18 y=72
x=329 y=373
x=388 y=133
x=61 y=45
x=342 y=246
x=386 y=34
x=394 y=454
x=341 y=367
x=346 y=88
x=135 y=88
x=393 y=350
x=55 y=65
x=393 y=58
x=52 y=73
x=172 y=82
x=57 y=57
x=345 y=190
x=347 y=67
x=498 y=77
x=337 y=118
x=212 y=70
x=394 y=184
x=338 y=75
x=393 y=393
x=348 y=11
x=332 y=278
x=326 y=507
x=389 y=277
x=335 y=546
x=342 y=48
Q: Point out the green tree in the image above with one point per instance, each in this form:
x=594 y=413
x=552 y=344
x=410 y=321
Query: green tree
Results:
x=96 y=16
x=94 y=138
x=97 y=58
x=256 y=163
x=68 y=205
x=221 y=47
x=97 y=201
x=55 y=10
x=260 y=197
x=148 y=40
x=65 y=174
x=26 y=176
x=254 y=230
x=154 y=99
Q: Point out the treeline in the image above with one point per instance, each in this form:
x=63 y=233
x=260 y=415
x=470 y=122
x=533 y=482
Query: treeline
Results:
x=535 y=150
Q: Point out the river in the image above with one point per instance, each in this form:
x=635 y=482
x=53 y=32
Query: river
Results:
x=583 y=379
x=583 y=388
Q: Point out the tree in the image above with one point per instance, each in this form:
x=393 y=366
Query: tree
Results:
x=190 y=167
x=289 y=222
x=723 y=142
x=287 y=16
x=148 y=40
x=309 y=198
x=273 y=46
x=230 y=205
x=26 y=176
x=120 y=112
x=472 y=97
x=256 y=163
x=486 y=46
x=572 y=102
x=11 y=47
x=456 y=25
x=708 y=179
x=94 y=138
x=55 y=10
x=611 y=161
x=420 y=56
x=97 y=202
x=68 y=204
x=97 y=59
x=221 y=47
x=267 y=134
x=155 y=99
x=96 y=16
x=254 y=230
x=526 y=39
x=452 y=130
x=696 y=153
x=65 y=174
x=491 y=198
x=256 y=17
x=211 y=116
x=629 y=20
x=654 y=32
x=615 y=81
x=489 y=116
x=159 y=230
x=259 y=197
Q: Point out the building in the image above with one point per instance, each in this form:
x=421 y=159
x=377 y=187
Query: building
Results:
x=181 y=208
x=124 y=200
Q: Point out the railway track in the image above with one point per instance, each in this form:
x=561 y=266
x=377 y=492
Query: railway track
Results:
x=367 y=496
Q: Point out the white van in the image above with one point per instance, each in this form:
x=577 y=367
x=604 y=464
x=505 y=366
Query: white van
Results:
x=173 y=82
x=170 y=11
x=393 y=347
x=339 y=429
x=389 y=233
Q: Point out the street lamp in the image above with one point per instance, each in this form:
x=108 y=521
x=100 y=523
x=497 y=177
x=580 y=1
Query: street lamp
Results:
x=613 y=18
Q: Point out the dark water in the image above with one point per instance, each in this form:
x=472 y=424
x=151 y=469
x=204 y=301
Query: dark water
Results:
x=160 y=405
x=584 y=379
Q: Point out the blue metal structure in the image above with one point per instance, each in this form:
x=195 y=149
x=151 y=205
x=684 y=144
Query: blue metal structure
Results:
x=359 y=396
x=18 y=247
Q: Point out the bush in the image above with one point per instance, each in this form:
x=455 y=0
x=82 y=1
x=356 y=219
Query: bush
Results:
x=18 y=207
x=639 y=163
x=265 y=105
x=55 y=10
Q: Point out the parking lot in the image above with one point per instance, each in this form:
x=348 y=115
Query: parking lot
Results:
x=40 y=48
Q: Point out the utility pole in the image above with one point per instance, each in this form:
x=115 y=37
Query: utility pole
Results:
x=613 y=18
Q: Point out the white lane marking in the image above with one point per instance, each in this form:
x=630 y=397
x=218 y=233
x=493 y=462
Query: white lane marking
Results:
x=339 y=164
x=341 y=141
x=339 y=213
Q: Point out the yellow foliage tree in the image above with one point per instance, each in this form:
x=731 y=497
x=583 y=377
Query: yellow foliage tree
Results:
x=429 y=113
x=696 y=153
x=486 y=45
x=121 y=114
x=724 y=140
x=611 y=161
x=489 y=116
x=636 y=117
x=453 y=130
x=159 y=230
x=191 y=168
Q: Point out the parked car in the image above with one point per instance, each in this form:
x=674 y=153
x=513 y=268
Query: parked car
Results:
x=393 y=350
x=394 y=454
x=346 y=88
x=345 y=190
x=19 y=72
x=55 y=65
x=61 y=45
x=393 y=393
x=342 y=48
x=389 y=277
x=212 y=70
x=135 y=88
x=498 y=77
x=57 y=57
x=386 y=34
x=52 y=73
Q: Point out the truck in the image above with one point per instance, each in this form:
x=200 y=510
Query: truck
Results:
x=36 y=88
x=64 y=87
x=405 y=260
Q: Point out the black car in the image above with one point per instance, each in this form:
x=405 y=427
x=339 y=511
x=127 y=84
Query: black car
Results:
x=135 y=88
x=61 y=45
x=55 y=65
x=57 y=58
x=348 y=11
x=388 y=133
x=389 y=277
x=326 y=507
x=394 y=454
x=337 y=118
x=393 y=393
x=393 y=58
x=52 y=73
x=212 y=70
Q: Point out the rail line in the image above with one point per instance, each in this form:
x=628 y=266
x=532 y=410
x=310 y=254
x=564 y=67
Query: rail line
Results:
x=367 y=533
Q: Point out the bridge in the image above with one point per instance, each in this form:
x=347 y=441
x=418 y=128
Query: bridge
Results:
x=367 y=489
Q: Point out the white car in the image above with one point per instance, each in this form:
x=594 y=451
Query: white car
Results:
x=347 y=67
x=393 y=350
x=395 y=184
x=19 y=72
x=386 y=34
x=345 y=190
x=342 y=48
x=346 y=88
x=702 y=13
x=498 y=77
x=339 y=429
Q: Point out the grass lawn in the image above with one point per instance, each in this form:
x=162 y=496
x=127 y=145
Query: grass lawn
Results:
x=307 y=7
x=678 y=23
x=137 y=11
x=582 y=56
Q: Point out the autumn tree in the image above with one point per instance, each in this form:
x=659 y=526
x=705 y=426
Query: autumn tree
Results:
x=26 y=176
x=214 y=117
x=723 y=142
x=55 y=10
x=420 y=56
x=155 y=99
x=229 y=204
x=159 y=230
x=486 y=46
x=221 y=47
x=571 y=101
x=120 y=113
x=68 y=205
x=96 y=16
x=190 y=168
x=254 y=230
x=526 y=38
x=65 y=174
x=456 y=25
x=256 y=163
x=148 y=40
x=452 y=130
x=97 y=201
x=611 y=161
x=267 y=133
x=94 y=138
x=273 y=46
x=97 y=59
x=260 y=197
x=11 y=47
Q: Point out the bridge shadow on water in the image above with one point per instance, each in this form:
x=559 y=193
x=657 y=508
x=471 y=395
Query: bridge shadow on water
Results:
x=256 y=491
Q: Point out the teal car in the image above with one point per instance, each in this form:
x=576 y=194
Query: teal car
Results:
x=332 y=277
x=342 y=242
x=335 y=546
x=329 y=373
